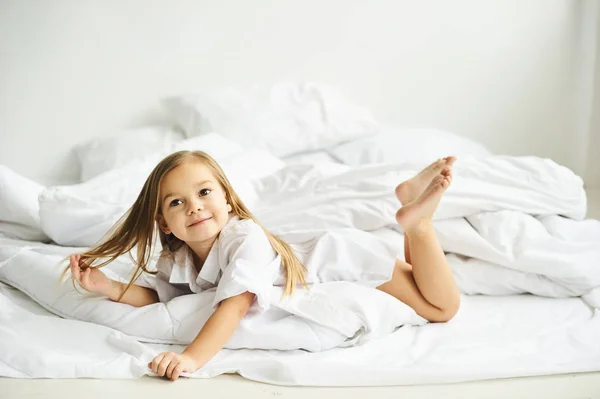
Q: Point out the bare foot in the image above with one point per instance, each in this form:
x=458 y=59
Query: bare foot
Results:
x=409 y=190
x=420 y=211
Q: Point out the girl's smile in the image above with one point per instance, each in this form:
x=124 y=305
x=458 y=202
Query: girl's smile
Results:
x=199 y=221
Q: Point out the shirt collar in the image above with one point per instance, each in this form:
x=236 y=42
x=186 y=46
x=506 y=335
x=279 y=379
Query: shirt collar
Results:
x=212 y=266
x=184 y=271
x=210 y=269
x=180 y=268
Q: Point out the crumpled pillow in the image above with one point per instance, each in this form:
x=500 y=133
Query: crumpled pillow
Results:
x=355 y=313
x=19 y=212
x=285 y=118
x=102 y=154
x=418 y=146
x=80 y=214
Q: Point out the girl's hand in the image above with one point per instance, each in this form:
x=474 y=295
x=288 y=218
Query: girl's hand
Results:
x=91 y=279
x=172 y=364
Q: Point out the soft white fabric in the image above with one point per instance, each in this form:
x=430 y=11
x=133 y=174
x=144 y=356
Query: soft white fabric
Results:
x=81 y=214
x=21 y=232
x=503 y=198
x=19 y=209
x=341 y=264
x=242 y=259
x=407 y=145
x=512 y=231
x=499 y=221
x=214 y=144
x=285 y=117
x=337 y=313
x=490 y=337
x=102 y=154
x=311 y=157
x=502 y=211
x=241 y=165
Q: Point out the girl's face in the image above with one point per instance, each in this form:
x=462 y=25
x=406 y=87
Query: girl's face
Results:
x=193 y=204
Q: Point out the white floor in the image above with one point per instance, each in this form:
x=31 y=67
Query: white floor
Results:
x=566 y=386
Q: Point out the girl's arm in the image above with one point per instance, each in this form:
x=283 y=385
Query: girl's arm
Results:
x=93 y=280
x=136 y=295
x=219 y=328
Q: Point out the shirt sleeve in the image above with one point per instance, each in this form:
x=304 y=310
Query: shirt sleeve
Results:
x=252 y=265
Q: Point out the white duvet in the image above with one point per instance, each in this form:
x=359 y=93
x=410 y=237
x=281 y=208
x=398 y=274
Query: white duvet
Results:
x=510 y=225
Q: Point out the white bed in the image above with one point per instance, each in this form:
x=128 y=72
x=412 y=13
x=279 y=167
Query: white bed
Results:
x=525 y=260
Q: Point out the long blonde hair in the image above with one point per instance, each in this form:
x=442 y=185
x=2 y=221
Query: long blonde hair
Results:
x=136 y=228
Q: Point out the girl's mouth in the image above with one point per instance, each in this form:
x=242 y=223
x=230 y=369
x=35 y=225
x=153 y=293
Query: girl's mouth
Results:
x=198 y=222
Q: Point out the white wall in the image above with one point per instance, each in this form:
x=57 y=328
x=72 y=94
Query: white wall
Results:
x=504 y=72
x=593 y=157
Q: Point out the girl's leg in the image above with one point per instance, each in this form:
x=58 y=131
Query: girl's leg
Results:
x=403 y=287
x=425 y=281
x=430 y=269
x=410 y=190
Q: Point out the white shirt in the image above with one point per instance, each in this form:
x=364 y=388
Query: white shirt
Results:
x=242 y=259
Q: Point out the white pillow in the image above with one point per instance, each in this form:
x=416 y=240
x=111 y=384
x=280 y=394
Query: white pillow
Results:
x=242 y=167
x=285 y=118
x=298 y=322
x=312 y=157
x=19 y=209
x=22 y=232
x=407 y=145
x=214 y=144
x=80 y=214
x=99 y=155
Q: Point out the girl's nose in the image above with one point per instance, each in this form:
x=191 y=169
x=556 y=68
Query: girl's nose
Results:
x=195 y=205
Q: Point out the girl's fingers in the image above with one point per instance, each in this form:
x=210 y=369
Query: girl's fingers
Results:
x=76 y=272
x=86 y=278
x=176 y=372
x=162 y=367
x=155 y=362
x=170 y=368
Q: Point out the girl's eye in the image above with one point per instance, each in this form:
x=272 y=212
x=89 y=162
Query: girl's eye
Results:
x=203 y=192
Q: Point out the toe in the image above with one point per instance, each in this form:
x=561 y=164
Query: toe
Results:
x=449 y=160
x=437 y=180
x=438 y=163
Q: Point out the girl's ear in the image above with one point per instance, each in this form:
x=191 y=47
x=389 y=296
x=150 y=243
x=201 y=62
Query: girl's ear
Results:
x=163 y=224
x=229 y=208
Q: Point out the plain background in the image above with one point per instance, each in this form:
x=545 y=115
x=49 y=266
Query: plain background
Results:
x=519 y=76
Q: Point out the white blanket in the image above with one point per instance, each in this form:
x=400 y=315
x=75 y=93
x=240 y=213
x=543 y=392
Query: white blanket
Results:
x=337 y=313
x=490 y=337
x=510 y=224
x=518 y=219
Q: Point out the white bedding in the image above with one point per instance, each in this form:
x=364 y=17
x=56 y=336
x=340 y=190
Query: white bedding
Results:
x=511 y=225
x=490 y=337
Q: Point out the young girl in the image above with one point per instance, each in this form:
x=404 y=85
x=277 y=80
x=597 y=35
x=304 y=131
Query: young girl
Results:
x=210 y=239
